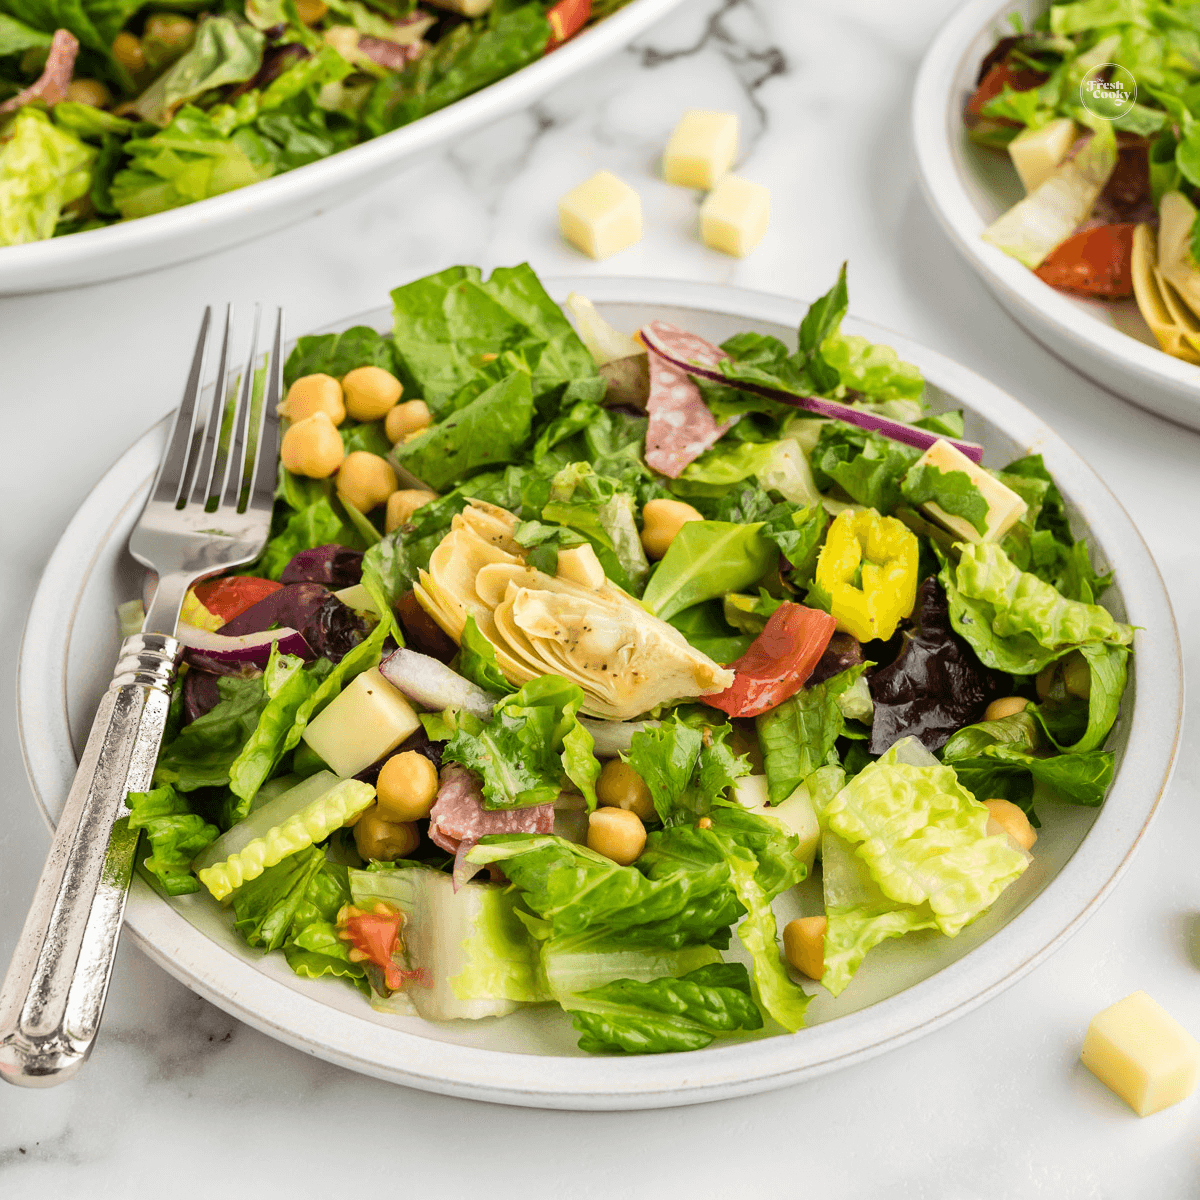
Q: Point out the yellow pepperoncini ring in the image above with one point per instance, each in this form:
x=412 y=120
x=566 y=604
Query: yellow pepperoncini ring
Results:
x=868 y=568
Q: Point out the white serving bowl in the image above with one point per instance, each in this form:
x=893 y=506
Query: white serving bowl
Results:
x=968 y=186
x=210 y=225
x=906 y=988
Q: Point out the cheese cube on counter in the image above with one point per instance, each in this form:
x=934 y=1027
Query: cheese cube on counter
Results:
x=1005 y=507
x=601 y=216
x=369 y=719
x=734 y=216
x=701 y=149
x=1143 y=1054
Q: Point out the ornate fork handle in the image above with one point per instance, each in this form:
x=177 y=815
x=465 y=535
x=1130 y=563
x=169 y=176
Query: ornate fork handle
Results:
x=53 y=995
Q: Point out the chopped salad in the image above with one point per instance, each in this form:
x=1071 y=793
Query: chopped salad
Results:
x=573 y=649
x=111 y=111
x=1097 y=105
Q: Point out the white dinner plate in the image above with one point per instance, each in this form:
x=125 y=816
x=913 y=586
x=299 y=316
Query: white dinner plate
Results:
x=199 y=229
x=969 y=186
x=906 y=988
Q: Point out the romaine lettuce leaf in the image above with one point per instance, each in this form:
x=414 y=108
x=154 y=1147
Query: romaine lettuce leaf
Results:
x=175 y=833
x=42 y=169
x=868 y=467
x=952 y=491
x=337 y=354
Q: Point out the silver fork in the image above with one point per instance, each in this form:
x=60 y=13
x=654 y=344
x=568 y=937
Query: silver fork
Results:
x=209 y=510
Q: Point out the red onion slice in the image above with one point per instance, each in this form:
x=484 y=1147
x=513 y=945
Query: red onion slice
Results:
x=898 y=431
x=225 y=655
x=434 y=685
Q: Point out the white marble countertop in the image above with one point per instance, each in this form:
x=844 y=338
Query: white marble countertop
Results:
x=181 y=1100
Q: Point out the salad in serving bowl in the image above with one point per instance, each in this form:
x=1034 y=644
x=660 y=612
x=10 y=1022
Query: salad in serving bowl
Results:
x=577 y=650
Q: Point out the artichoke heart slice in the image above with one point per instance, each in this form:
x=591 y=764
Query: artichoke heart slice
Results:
x=1161 y=306
x=625 y=660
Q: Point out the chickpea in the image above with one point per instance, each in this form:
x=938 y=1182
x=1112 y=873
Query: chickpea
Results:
x=371 y=393
x=620 y=786
x=1006 y=706
x=165 y=38
x=382 y=840
x=311 y=11
x=1077 y=675
x=662 y=520
x=1013 y=821
x=402 y=504
x=315 y=393
x=127 y=50
x=365 y=480
x=312 y=447
x=410 y=417
x=407 y=787
x=804 y=945
x=89 y=91
x=616 y=833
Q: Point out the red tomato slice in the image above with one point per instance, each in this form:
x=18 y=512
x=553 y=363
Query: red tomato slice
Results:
x=992 y=84
x=778 y=662
x=231 y=596
x=566 y=19
x=1096 y=262
x=377 y=936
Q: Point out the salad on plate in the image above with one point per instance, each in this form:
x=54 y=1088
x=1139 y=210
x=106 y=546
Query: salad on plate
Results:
x=111 y=111
x=573 y=649
x=1097 y=104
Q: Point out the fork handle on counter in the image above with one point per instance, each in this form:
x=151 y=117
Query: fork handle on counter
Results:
x=53 y=996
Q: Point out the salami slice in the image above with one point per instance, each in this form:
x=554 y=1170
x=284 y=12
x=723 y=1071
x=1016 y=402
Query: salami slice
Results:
x=458 y=819
x=681 y=428
x=51 y=85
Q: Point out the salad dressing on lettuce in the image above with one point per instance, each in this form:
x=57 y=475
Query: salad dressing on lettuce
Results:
x=835 y=633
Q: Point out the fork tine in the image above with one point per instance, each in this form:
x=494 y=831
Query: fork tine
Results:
x=266 y=451
x=199 y=482
x=174 y=459
x=236 y=459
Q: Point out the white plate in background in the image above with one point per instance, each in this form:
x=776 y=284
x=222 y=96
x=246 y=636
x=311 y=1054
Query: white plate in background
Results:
x=969 y=186
x=906 y=988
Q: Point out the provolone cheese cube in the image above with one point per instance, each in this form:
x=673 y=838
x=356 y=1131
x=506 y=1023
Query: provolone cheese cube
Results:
x=580 y=565
x=1037 y=152
x=1143 y=1054
x=796 y=814
x=735 y=215
x=368 y=720
x=1005 y=507
x=701 y=149
x=601 y=216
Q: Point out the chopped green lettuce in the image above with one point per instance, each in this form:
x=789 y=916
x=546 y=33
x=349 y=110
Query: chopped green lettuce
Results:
x=337 y=354
x=175 y=833
x=42 y=169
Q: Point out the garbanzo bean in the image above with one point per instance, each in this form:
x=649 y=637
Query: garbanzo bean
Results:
x=312 y=447
x=383 y=840
x=1077 y=675
x=311 y=11
x=127 y=50
x=1006 y=706
x=661 y=521
x=88 y=91
x=410 y=417
x=370 y=392
x=804 y=945
x=315 y=393
x=402 y=504
x=407 y=787
x=620 y=786
x=616 y=833
x=1013 y=821
x=365 y=480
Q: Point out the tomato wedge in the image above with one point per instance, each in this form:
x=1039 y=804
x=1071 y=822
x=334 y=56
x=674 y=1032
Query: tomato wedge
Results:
x=1095 y=262
x=993 y=83
x=566 y=19
x=778 y=662
x=231 y=596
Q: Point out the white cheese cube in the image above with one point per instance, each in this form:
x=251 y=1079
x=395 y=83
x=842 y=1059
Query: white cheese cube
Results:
x=1143 y=1054
x=735 y=215
x=580 y=565
x=795 y=814
x=368 y=720
x=1037 y=152
x=601 y=216
x=467 y=8
x=701 y=149
x=1005 y=507
x=358 y=598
